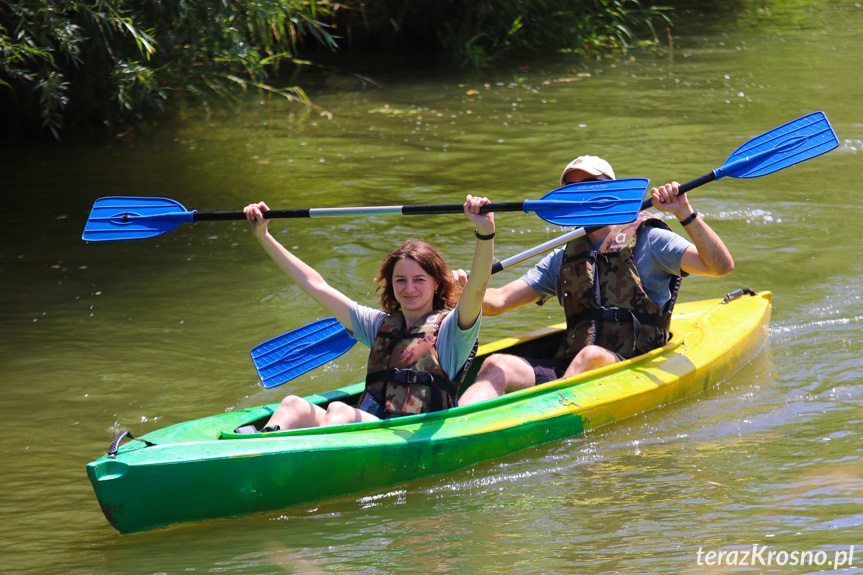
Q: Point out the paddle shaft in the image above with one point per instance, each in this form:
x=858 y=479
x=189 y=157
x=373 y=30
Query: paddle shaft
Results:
x=426 y=209
x=791 y=143
x=736 y=166
x=363 y=211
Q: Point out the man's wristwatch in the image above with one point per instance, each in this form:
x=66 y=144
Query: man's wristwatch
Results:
x=685 y=222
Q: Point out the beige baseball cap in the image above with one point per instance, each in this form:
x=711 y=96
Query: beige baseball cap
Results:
x=593 y=165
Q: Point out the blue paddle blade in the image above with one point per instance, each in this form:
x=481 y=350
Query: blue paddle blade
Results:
x=296 y=352
x=588 y=204
x=799 y=140
x=131 y=218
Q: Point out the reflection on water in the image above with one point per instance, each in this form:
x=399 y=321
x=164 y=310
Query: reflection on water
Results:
x=138 y=335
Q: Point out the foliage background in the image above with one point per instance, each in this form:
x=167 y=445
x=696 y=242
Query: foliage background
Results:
x=68 y=64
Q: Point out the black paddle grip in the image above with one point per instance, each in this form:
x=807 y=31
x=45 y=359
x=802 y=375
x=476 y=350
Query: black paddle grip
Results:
x=456 y=208
x=406 y=210
x=705 y=179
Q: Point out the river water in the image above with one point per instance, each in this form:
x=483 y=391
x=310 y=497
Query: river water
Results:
x=141 y=334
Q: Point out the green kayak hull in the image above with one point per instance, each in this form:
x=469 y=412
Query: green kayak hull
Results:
x=203 y=469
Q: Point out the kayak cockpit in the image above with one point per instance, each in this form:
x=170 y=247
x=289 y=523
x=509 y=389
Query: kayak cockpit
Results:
x=532 y=344
x=539 y=343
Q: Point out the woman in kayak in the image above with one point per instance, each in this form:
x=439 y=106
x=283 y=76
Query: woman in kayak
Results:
x=420 y=343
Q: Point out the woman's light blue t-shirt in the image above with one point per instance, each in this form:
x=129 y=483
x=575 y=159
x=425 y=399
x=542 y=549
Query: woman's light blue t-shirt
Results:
x=453 y=343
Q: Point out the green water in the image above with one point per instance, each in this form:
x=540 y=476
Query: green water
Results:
x=96 y=338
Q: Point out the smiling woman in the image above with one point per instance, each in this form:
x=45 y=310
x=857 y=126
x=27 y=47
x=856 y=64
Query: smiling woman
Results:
x=415 y=278
x=421 y=343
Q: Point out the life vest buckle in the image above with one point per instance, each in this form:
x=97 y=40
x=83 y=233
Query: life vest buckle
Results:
x=611 y=314
x=412 y=376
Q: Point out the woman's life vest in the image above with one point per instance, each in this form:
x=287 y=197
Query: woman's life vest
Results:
x=604 y=301
x=404 y=374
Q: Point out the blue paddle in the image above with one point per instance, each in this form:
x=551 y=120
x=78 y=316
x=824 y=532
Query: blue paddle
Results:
x=799 y=140
x=282 y=358
x=582 y=204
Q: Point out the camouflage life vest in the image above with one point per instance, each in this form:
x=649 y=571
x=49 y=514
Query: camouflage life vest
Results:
x=604 y=300
x=405 y=376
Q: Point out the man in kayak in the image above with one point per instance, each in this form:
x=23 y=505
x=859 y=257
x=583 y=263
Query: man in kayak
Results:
x=617 y=286
x=421 y=342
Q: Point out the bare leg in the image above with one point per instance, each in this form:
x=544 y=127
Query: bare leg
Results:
x=297 y=413
x=339 y=413
x=590 y=357
x=500 y=373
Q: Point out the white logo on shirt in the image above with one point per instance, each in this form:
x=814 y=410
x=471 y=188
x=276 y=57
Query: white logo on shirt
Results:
x=430 y=320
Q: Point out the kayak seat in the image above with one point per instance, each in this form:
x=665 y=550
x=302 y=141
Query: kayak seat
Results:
x=545 y=346
x=253 y=429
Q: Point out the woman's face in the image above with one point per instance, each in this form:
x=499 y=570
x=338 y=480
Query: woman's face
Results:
x=413 y=287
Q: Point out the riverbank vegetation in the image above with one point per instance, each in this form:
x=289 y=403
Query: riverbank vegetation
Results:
x=68 y=65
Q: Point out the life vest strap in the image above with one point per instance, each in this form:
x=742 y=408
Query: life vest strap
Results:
x=615 y=314
x=399 y=375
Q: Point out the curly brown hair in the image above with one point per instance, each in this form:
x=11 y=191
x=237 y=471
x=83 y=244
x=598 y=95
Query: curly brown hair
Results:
x=429 y=260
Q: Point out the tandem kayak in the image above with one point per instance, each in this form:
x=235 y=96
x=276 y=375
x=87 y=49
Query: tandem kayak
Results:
x=204 y=469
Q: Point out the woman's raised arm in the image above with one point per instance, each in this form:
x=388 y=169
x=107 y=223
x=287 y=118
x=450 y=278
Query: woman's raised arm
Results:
x=302 y=274
x=470 y=301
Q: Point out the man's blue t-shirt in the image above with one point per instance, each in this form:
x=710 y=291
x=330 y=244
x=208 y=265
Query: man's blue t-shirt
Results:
x=657 y=257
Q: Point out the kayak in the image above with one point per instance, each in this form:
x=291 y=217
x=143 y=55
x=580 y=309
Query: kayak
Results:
x=204 y=469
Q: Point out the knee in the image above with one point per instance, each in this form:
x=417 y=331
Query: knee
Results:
x=499 y=374
x=293 y=412
x=591 y=353
x=505 y=372
x=594 y=356
x=292 y=403
x=494 y=369
x=339 y=413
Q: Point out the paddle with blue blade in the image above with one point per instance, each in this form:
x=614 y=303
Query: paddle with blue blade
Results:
x=799 y=140
x=282 y=358
x=584 y=204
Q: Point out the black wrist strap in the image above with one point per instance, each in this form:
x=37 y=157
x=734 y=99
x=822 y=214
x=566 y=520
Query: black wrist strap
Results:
x=479 y=236
x=690 y=219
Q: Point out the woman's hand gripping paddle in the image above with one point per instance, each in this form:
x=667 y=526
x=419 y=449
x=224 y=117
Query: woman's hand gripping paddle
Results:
x=296 y=352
